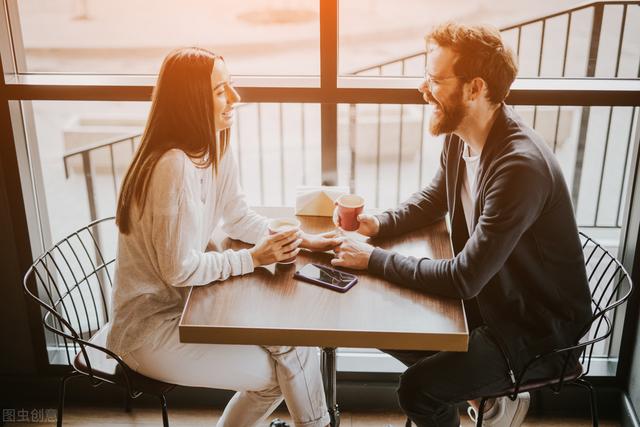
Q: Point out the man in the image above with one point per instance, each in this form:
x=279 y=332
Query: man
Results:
x=518 y=261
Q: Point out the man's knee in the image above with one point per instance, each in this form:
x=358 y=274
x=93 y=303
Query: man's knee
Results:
x=415 y=396
x=409 y=393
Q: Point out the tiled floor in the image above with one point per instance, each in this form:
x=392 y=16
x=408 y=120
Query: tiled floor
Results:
x=100 y=417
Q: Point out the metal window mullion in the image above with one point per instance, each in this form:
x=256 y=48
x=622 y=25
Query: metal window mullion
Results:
x=623 y=93
x=239 y=150
x=378 y=149
x=282 y=168
x=541 y=51
x=629 y=255
x=400 y=138
x=14 y=28
x=328 y=85
x=303 y=139
x=566 y=44
x=626 y=161
x=621 y=38
x=260 y=153
x=596 y=29
x=604 y=165
x=20 y=197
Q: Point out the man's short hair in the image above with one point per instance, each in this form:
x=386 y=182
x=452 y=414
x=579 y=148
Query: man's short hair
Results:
x=481 y=53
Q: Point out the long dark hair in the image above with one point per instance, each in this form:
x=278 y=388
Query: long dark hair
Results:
x=181 y=117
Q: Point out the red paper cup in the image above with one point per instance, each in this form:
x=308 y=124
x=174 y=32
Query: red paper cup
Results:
x=277 y=225
x=349 y=207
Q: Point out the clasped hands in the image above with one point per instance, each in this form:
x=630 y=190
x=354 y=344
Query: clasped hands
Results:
x=349 y=252
x=354 y=253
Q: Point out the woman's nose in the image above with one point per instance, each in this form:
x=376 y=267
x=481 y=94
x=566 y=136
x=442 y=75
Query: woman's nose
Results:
x=233 y=95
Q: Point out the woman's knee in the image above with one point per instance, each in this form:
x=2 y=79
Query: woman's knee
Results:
x=304 y=357
x=271 y=391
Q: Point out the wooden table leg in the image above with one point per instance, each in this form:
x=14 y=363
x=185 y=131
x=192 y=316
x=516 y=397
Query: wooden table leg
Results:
x=329 y=376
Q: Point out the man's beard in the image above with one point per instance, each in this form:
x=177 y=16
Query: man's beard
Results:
x=446 y=117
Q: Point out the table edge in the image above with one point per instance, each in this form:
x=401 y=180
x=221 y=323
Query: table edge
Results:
x=450 y=341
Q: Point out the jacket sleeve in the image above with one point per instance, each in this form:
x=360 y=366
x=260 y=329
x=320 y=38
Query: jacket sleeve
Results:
x=175 y=231
x=422 y=208
x=513 y=199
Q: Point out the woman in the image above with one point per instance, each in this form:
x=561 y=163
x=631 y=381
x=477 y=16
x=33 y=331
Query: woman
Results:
x=182 y=182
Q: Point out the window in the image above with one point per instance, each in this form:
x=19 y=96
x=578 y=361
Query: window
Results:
x=380 y=38
x=132 y=37
x=79 y=75
x=81 y=149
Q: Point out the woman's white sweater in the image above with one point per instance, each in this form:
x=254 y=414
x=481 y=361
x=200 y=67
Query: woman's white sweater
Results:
x=165 y=251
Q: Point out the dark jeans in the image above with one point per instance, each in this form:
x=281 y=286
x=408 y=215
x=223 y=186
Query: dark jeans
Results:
x=435 y=382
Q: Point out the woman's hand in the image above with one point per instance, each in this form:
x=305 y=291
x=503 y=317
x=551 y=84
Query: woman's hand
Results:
x=369 y=224
x=321 y=242
x=276 y=247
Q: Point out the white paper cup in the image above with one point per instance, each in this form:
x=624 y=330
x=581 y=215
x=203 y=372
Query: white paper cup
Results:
x=278 y=225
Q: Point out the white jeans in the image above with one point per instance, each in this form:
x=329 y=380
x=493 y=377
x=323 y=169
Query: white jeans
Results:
x=262 y=376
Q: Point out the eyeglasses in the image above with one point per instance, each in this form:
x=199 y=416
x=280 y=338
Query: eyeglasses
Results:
x=431 y=81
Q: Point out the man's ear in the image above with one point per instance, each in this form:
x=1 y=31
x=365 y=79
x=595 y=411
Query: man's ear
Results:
x=476 y=88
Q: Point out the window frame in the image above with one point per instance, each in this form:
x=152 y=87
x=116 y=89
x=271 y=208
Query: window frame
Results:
x=328 y=89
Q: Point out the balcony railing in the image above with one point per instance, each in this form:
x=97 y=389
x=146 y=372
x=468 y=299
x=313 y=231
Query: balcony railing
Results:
x=395 y=140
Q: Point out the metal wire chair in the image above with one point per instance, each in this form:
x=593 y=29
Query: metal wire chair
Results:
x=72 y=284
x=610 y=287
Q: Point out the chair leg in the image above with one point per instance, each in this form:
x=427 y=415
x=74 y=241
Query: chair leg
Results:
x=61 y=395
x=592 y=399
x=483 y=402
x=165 y=416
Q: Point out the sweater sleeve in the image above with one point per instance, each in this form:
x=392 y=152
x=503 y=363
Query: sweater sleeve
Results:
x=513 y=200
x=176 y=233
x=239 y=222
x=422 y=208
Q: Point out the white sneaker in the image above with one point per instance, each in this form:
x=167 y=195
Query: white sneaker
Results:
x=505 y=413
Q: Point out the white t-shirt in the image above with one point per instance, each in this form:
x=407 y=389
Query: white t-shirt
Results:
x=467 y=191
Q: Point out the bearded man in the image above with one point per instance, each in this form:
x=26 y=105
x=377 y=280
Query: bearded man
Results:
x=518 y=261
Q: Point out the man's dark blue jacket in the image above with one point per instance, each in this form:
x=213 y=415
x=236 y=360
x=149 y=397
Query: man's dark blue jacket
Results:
x=522 y=266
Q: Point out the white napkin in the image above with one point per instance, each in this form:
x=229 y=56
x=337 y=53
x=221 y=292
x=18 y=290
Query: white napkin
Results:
x=318 y=201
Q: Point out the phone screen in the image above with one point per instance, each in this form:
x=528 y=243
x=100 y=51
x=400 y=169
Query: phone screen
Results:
x=327 y=275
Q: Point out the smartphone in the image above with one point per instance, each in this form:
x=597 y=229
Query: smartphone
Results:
x=327 y=277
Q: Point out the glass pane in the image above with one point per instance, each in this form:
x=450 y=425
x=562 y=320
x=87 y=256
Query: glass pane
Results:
x=79 y=152
x=260 y=37
x=385 y=153
x=380 y=38
x=84 y=148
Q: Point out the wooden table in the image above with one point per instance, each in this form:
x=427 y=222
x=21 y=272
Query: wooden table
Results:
x=273 y=308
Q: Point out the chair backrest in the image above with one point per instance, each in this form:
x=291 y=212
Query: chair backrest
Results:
x=72 y=283
x=610 y=287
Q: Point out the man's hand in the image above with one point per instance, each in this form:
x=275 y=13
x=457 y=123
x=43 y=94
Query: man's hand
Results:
x=321 y=242
x=369 y=224
x=352 y=254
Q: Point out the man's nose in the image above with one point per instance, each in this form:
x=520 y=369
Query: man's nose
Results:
x=423 y=86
